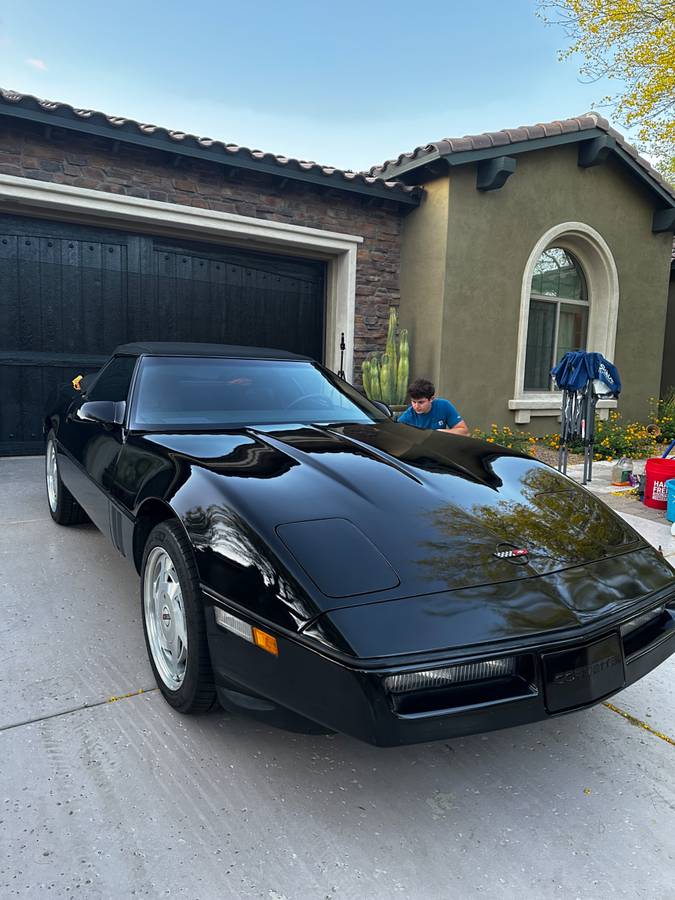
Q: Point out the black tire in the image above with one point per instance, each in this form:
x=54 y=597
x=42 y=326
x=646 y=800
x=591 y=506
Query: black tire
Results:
x=195 y=693
x=63 y=507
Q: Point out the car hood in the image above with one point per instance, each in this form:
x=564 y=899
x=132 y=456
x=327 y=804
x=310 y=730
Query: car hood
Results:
x=364 y=513
x=498 y=614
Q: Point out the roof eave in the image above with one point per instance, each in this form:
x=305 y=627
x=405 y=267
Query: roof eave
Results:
x=416 y=171
x=236 y=160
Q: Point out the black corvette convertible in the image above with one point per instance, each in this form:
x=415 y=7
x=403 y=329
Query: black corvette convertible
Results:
x=305 y=558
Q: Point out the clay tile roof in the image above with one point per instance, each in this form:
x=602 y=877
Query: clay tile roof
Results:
x=520 y=136
x=68 y=116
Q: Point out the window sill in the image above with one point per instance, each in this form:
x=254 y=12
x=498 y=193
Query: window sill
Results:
x=548 y=404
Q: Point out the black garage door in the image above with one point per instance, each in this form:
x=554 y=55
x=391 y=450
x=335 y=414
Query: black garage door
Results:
x=69 y=294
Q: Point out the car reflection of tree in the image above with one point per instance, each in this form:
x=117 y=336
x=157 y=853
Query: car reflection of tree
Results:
x=558 y=527
x=239 y=567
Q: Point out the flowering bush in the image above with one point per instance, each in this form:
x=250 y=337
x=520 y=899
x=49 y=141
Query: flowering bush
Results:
x=613 y=439
x=502 y=434
x=662 y=415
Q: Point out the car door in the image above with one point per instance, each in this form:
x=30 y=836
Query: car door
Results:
x=88 y=451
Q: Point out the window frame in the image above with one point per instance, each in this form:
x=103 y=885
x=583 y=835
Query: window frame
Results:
x=602 y=281
x=558 y=302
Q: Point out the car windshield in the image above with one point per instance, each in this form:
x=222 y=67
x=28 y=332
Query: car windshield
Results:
x=206 y=392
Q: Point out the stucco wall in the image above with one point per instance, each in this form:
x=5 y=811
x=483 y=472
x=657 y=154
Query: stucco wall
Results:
x=668 y=373
x=424 y=236
x=489 y=239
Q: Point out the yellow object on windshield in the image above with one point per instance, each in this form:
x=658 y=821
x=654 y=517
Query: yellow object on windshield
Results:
x=76 y=382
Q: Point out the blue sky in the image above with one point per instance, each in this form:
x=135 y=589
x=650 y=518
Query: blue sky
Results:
x=350 y=86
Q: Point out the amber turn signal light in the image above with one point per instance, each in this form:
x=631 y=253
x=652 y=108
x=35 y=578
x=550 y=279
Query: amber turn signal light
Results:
x=265 y=641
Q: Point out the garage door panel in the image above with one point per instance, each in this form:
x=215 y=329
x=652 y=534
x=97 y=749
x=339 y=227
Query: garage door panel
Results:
x=10 y=405
x=9 y=294
x=51 y=324
x=72 y=313
x=163 y=304
x=32 y=397
x=113 y=267
x=92 y=314
x=69 y=294
x=141 y=288
x=29 y=286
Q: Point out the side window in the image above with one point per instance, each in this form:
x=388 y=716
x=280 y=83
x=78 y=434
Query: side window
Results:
x=114 y=380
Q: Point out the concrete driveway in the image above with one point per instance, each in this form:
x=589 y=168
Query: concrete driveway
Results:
x=105 y=792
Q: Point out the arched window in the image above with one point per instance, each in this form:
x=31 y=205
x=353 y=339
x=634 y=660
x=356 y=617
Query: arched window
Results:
x=558 y=315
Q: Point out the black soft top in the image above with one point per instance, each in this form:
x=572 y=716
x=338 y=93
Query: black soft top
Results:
x=176 y=348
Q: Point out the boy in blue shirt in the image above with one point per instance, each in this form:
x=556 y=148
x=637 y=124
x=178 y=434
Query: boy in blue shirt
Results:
x=428 y=411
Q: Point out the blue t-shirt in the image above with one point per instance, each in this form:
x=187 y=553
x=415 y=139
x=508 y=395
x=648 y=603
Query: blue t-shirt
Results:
x=441 y=415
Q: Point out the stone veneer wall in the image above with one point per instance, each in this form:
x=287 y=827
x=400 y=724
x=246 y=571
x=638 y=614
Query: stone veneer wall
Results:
x=28 y=151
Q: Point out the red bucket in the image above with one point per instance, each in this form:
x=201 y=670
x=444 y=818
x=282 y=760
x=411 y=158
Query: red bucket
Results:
x=657 y=472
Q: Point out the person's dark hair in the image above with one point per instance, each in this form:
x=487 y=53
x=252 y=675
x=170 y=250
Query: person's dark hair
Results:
x=421 y=388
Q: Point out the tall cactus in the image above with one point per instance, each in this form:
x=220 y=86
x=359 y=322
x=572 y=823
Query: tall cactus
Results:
x=386 y=378
x=375 y=376
x=403 y=373
x=390 y=350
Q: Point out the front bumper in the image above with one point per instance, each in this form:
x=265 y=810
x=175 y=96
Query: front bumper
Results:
x=549 y=678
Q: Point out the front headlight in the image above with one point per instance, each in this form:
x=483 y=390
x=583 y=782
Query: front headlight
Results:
x=449 y=675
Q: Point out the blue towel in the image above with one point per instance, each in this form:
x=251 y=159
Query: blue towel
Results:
x=578 y=367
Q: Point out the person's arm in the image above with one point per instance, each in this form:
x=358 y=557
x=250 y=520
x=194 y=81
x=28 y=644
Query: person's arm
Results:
x=460 y=428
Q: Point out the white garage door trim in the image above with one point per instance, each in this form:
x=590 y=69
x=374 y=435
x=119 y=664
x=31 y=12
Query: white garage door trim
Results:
x=97 y=207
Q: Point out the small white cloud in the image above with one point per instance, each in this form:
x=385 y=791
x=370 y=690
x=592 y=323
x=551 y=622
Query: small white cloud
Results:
x=37 y=64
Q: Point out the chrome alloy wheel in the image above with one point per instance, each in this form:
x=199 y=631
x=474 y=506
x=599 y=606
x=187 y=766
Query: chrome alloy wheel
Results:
x=165 y=618
x=52 y=473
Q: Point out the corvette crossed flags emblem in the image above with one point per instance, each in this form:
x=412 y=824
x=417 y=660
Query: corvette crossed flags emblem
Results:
x=513 y=553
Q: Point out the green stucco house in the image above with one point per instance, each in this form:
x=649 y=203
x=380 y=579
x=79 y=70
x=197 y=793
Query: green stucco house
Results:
x=527 y=243
x=502 y=250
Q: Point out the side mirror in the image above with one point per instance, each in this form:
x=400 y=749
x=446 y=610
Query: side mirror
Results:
x=383 y=408
x=105 y=412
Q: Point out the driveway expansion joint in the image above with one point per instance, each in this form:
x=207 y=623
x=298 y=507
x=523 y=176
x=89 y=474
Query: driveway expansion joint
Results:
x=74 y=709
x=639 y=723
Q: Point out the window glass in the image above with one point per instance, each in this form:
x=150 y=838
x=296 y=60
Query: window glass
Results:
x=557 y=274
x=112 y=382
x=572 y=329
x=540 y=336
x=554 y=326
x=212 y=392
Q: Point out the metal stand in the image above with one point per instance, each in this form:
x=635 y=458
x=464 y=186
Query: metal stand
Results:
x=577 y=421
x=570 y=426
x=588 y=434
